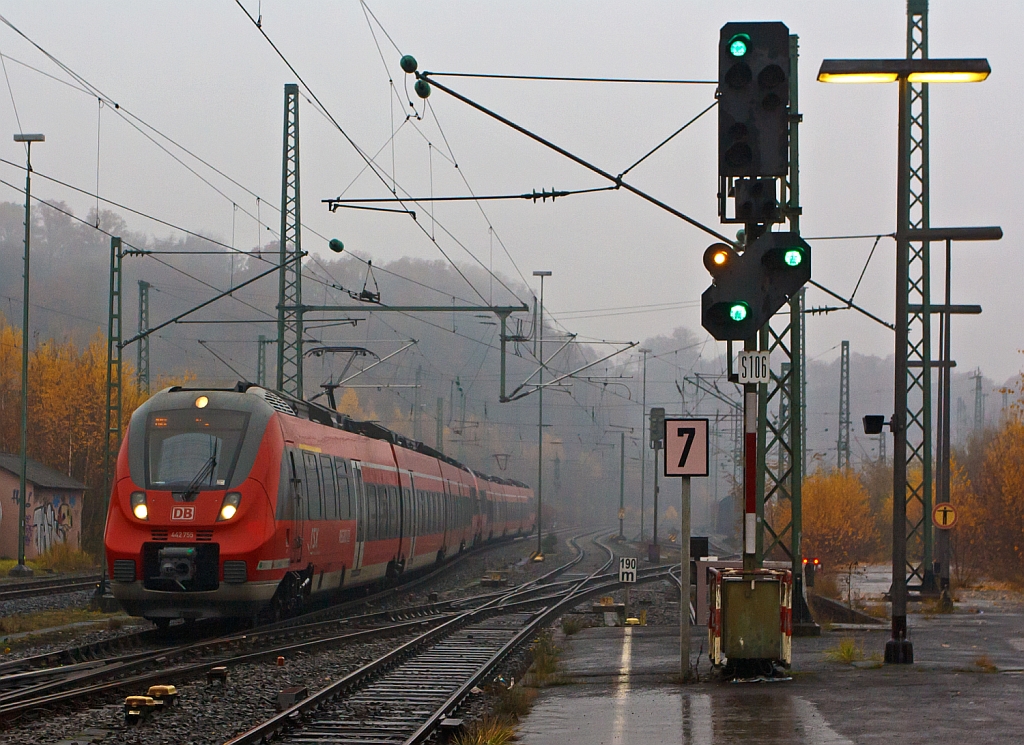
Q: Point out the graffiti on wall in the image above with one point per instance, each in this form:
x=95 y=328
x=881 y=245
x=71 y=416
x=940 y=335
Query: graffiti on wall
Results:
x=52 y=522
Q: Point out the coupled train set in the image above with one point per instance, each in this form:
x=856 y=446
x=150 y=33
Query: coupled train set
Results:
x=244 y=502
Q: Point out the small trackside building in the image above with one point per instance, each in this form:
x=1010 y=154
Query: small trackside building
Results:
x=53 y=512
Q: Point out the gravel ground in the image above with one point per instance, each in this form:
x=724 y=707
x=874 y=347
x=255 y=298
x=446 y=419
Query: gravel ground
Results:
x=46 y=601
x=212 y=713
x=206 y=713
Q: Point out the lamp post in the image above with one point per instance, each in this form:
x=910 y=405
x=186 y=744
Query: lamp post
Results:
x=643 y=451
x=904 y=72
x=20 y=570
x=540 y=412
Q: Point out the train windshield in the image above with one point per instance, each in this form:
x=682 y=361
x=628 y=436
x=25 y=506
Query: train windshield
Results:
x=193 y=450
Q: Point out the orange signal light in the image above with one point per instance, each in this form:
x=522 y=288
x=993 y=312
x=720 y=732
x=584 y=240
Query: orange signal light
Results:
x=718 y=257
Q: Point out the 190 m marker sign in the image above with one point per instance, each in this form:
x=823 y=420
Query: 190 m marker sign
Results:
x=686 y=447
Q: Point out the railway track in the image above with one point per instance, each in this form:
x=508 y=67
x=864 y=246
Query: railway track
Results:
x=124 y=643
x=28 y=588
x=48 y=680
x=403 y=696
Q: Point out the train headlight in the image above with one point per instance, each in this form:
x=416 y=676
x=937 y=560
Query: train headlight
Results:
x=139 y=508
x=229 y=506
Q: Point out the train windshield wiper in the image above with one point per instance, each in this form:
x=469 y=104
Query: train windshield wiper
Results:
x=208 y=469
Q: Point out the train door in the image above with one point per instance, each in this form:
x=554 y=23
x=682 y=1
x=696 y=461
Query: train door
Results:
x=298 y=510
x=359 y=504
x=314 y=505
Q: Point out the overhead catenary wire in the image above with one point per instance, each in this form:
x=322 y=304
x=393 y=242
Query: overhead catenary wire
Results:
x=362 y=154
x=87 y=88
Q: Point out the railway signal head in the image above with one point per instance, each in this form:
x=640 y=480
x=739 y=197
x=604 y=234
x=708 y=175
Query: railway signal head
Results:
x=753 y=104
x=749 y=289
x=784 y=267
x=756 y=201
x=657 y=428
x=725 y=306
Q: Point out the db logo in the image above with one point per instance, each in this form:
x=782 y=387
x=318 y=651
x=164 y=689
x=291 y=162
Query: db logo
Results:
x=183 y=512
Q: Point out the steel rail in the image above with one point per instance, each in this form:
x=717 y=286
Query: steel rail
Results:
x=32 y=588
x=167 y=675
x=476 y=620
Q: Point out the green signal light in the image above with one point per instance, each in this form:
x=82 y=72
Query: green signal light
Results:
x=793 y=257
x=739 y=45
x=738 y=312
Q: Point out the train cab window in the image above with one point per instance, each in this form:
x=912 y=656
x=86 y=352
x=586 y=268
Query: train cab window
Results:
x=190 y=448
x=344 y=490
x=314 y=494
x=330 y=488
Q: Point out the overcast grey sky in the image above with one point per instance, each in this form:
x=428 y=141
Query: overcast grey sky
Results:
x=201 y=73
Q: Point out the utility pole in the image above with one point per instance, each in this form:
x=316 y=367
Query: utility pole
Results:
x=439 y=437
x=289 y=299
x=417 y=433
x=142 y=363
x=643 y=450
x=20 y=569
x=979 y=401
x=843 y=443
x=622 y=481
x=261 y=361
x=539 y=327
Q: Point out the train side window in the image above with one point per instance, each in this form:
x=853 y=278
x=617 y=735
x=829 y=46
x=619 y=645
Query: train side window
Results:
x=383 y=523
x=330 y=488
x=314 y=500
x=371 y=511
x=344 y=490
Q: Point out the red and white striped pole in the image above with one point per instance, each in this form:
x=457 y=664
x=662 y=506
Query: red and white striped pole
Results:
x=750 y=476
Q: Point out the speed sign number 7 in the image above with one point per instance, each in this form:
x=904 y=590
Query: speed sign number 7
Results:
x=686 y=447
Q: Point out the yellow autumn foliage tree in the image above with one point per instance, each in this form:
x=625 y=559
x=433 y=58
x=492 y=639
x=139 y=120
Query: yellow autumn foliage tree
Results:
x=838 y=526
x=999 y=509
x=66 y=412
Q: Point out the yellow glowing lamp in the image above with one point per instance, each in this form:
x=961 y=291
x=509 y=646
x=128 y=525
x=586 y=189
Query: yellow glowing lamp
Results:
x=911 y=70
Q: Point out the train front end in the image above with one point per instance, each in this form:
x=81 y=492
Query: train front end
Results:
x=191 y=523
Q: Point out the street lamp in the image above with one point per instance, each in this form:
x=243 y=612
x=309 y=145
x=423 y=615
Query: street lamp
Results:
x=904 y=72
x=643 y=452
x=20 y=570
x=542 y=273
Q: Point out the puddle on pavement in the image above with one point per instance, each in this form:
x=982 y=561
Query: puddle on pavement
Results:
x=657 y=716
x=727 y=715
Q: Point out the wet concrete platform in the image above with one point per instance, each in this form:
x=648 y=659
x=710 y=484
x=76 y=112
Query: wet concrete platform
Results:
x=967 y=686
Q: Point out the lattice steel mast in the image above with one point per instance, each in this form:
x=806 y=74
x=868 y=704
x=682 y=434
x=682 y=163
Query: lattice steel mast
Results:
x=918 y=417
x=780 y=442
x=843 y=441
x=289 y=302
x=142 y=361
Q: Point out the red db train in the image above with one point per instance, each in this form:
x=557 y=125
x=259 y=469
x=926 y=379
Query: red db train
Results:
x=245 y=502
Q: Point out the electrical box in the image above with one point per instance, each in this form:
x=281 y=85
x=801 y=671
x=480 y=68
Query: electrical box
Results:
x=751 y=616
